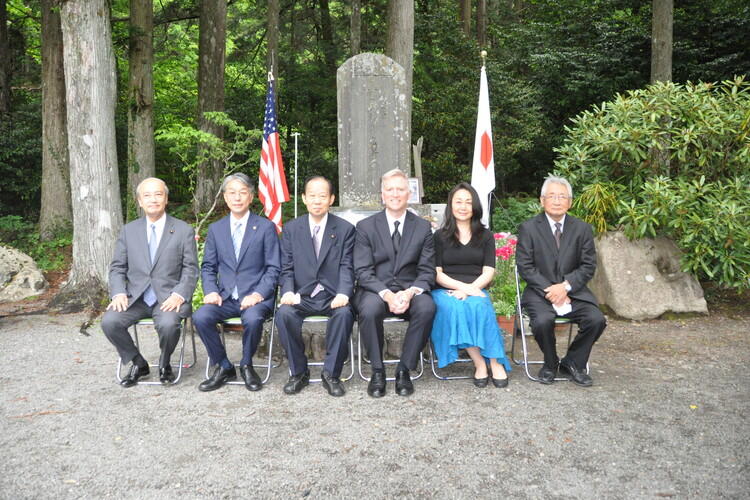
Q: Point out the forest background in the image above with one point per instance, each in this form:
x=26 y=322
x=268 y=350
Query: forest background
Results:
x=548 y=61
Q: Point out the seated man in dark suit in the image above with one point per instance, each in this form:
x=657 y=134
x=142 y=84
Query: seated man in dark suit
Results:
x=316 y=279
x=239 y=272
x=394 y=263
x=153 y=274
x=556 y=257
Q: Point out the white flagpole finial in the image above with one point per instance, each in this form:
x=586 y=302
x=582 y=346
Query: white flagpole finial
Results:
x=483 y=55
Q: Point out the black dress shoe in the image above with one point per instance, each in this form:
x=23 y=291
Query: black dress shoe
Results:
x=251 y=378
x=481 y=382
x=547 y=375
x=577 y=376
x=220 y=377
x=166 y=376
x=404 y=386
x=333 y=385
x=376 y=387
x=135 y=373
x=500 y=382
x=297 y=382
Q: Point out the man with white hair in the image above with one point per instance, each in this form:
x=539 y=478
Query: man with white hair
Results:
x=556 y=257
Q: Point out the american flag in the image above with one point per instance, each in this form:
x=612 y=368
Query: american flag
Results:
x=272 y=189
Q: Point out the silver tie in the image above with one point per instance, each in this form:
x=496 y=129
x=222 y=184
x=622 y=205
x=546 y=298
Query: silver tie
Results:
x=149 y=296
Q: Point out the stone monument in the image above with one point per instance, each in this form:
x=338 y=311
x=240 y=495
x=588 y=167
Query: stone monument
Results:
x=372 y=127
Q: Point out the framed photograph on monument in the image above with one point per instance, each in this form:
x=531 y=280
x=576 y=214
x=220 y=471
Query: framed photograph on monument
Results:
x=414 y=198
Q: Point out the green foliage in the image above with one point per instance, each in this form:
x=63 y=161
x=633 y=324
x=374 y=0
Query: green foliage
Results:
x=614 y=158
x=238 y=151
x=21 y=159
x=24 y=236
x=703 y=129
x=512 y=211
x=709 y=221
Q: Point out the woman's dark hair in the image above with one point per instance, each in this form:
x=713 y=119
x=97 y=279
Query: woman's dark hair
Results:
x=450 y=227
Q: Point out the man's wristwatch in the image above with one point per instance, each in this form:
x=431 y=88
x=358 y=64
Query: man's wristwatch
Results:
x=567 y=286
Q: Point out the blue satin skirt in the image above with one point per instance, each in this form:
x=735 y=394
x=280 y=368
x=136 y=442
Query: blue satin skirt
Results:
x=459 y=324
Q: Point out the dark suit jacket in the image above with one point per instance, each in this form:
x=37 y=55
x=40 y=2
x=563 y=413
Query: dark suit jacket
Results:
x=378 y=268
x=256 y=270
x=175 y=266
x=301 y=271
x=541 y=264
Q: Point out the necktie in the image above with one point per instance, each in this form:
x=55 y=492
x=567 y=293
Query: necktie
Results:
x=237 y=243
x=316 y=240
x=316 y=246
x=149 y=296
x=396 y=236
x=558 y=233
x=237 y=239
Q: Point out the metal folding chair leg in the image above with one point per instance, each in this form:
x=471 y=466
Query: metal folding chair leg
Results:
x=433 y=365
x=361 y=357
x=181 y=365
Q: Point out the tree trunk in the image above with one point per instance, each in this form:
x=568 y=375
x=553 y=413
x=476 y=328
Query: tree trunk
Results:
x=90 y=88
x=356 y=26
x=4 y=60
x=211 y=51
x=482 y=23
x=329 y=49
x=56 y=211
x=140 y=100
x=661 y=41
x=400 y=46
x=464 y=14
x=273 y=37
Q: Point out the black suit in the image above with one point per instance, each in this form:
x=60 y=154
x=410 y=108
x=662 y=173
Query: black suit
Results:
x=542 y=264
x=378 y=267
x=301 y=272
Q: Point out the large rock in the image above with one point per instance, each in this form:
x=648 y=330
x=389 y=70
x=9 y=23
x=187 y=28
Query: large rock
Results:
x=19 y=276
x=642 y=279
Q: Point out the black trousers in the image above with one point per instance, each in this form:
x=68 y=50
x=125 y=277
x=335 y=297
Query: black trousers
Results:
x=372 y=310
x=338 y=330
x=591 y=324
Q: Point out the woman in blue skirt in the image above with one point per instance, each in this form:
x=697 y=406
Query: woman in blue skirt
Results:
x=465 y=264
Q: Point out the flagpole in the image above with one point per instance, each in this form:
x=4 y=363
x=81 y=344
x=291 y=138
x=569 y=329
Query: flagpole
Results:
x=296 y=135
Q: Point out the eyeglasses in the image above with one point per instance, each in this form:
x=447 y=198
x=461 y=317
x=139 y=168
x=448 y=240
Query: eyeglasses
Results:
x=559 y=197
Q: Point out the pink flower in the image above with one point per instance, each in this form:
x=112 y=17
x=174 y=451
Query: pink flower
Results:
x=497 y=236
x=497 y=252
x=512 y=241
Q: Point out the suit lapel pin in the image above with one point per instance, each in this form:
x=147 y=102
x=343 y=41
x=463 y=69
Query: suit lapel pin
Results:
x=171 y=231
x=254 y=227
x=333 y=236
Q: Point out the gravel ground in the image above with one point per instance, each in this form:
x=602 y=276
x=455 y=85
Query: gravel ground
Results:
x=667 y=417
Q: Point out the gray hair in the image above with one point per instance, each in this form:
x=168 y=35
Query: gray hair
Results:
x=392 y=173
x=239 y=176
x=148 y=179
x=553 y=179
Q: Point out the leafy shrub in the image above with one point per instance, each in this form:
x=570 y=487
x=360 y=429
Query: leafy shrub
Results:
x=511 y=212
x=24 y=236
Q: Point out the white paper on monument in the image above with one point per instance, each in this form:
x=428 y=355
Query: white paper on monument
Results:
x=563 y=309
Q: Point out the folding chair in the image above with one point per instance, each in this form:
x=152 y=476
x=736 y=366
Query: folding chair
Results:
x=349 y=360
x=361 y=357
x=520 y=327
x=433 y=365
x=181 y=365
x=235 y=324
